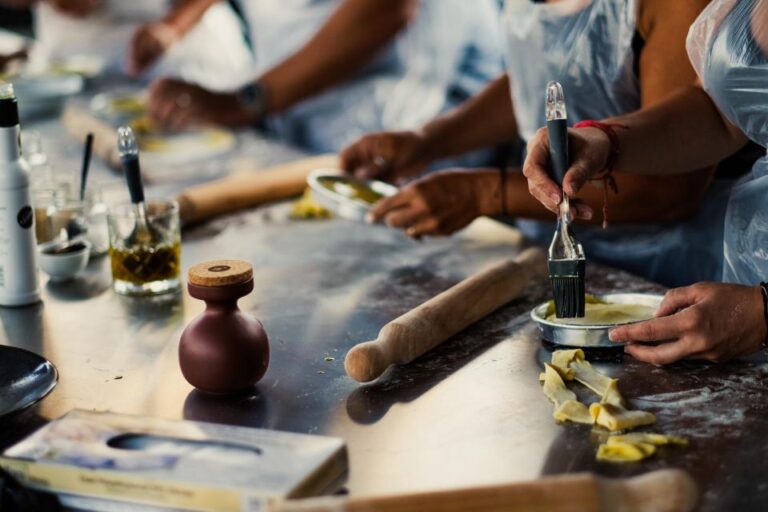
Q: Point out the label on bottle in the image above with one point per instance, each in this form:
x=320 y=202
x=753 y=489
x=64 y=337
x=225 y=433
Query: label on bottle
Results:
x=18 y=269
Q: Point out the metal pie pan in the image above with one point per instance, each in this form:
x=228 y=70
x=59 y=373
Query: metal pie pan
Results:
x=587 y=335
x=341 y=205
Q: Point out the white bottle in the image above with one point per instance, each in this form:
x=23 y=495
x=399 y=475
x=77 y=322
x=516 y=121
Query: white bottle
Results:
x=18 y=269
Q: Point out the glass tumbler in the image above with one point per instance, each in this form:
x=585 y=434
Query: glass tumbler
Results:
x=145 y=257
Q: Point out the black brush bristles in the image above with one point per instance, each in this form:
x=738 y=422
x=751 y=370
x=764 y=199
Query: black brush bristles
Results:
x=567 y=278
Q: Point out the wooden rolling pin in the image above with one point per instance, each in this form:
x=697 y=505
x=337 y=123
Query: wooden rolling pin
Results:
x=667 y=490
x=246 y=191
x=423 y=328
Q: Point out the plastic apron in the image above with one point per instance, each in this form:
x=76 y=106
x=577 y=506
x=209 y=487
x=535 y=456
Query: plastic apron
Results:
x=728 y=46
x=212 y=54
x=448 y=53
x=587 y=45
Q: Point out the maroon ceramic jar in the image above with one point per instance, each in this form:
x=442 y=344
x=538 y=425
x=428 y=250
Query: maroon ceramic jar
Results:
x=223 y=350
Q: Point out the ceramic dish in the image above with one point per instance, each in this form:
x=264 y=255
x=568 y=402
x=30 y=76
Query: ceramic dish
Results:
x=345 y=196
x=160 y=148
x=25 y=378
x=44 y=94
x=66 y=264
x=587 y=335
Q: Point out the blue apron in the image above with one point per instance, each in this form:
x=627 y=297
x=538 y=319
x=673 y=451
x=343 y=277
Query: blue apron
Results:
x=588 y=46
x=733 y=67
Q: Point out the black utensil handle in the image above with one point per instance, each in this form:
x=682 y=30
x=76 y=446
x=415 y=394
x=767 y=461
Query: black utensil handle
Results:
x=557 y=130
x=86 y=164
x=132 y=172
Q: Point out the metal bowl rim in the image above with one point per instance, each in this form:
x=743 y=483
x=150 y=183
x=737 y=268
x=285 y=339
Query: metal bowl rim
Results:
x=537 y=312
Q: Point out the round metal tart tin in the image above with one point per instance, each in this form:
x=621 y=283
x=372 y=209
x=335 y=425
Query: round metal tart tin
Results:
x=587 y=335
x=340 y=204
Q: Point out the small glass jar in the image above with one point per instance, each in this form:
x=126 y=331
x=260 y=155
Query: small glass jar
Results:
x=145 y=258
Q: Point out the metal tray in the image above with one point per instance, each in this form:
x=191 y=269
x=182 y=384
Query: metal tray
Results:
x=587 y=335
x=344 y=206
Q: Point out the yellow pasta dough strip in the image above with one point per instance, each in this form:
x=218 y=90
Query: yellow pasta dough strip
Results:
x=605 y=387
x=574 y=411
x=554 y=387
x=562 y=359
x=647 y=438
x=635 y=446
x=625 y=452
x=572 y=365
x=616 y=418
x=567 y=407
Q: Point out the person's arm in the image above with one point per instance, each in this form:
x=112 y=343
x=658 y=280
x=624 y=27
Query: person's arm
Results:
x=152 y=40
x=347 y=41
x=485 y=120
x=671 y=136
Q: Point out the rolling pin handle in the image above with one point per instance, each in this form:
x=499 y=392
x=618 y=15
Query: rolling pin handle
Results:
x=366 y=361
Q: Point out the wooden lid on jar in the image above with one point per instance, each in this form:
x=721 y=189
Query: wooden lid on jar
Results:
x=220 y=273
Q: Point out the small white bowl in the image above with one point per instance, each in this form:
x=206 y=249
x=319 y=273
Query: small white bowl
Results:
x=64 y=266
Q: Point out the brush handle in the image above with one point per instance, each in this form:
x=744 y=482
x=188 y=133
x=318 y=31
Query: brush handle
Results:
x=557 y=133
x=669 y=490
x=423 y=328
x=132 y=172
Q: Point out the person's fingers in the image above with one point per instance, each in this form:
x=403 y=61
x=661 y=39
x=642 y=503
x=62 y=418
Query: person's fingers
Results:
x=540 y=184
x=656 y=329
x=180 y=118
x=581 y=210
x=404 y=217
x=349 y=158
x=426 y=226
x=675 y=300
x=576 y=177
x=662 y=354
x=384 y=206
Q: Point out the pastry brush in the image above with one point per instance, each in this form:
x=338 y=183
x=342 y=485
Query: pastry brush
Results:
x=566 y=262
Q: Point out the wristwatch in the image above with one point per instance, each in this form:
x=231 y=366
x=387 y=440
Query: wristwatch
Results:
x=254 y=98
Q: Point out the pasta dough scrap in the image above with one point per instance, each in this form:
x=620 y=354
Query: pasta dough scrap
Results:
x=605 y=387
x=572 y=410
x=567 y=407
x=625 y=452
x=562 y=359
x=616 y=418
x=635 y=446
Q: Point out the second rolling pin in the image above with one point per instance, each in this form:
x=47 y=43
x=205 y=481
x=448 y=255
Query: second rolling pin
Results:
x=423 y=328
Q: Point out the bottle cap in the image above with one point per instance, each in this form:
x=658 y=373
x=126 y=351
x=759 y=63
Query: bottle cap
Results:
x=220 y=273
x=9 y=109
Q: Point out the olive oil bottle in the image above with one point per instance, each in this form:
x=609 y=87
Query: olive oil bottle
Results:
x=18 y=269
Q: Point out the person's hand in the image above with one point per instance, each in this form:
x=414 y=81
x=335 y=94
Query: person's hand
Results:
x=77 y=8
x=175 y=105
x=711 y=321
x=389 y=156
x=441 y=203
x=589 y=150
x=149 y=43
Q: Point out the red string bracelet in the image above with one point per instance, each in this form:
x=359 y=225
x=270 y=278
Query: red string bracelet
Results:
x=606 y=174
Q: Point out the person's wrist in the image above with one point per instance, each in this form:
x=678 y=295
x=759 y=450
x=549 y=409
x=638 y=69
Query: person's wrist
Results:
x=601 y=142
x=488 y=194
x=253 y=101
x=165 y=32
